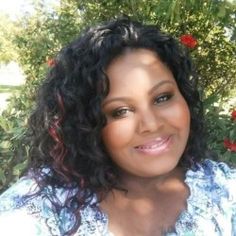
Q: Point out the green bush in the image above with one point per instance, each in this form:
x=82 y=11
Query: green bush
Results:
x=14 y=144
x=221 y=127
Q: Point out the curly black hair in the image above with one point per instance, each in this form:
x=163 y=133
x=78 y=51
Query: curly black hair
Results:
x=67 y=122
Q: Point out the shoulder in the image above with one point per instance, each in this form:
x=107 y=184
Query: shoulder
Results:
x=211 y=176
x=211 y=205
x=13 y=197
x=14 y=207
x=212 y=186
x=25 y=202
x=215 y=172
x=50 y=211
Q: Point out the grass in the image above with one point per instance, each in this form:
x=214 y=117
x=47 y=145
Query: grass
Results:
x=9 y=88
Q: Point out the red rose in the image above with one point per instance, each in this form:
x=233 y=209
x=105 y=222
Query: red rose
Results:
x=231 y=146
x=188 y=40
x=233 y=115
x=51 y=62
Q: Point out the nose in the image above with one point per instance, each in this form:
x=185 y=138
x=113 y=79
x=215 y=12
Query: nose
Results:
x=148 y=121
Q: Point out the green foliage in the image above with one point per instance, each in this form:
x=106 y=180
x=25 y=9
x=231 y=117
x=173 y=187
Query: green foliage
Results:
x=7 y=31
x=13 y=145
x=207 y=20
x=38 y=39
x=42 y=35
x=35 y=39
x=221 y=127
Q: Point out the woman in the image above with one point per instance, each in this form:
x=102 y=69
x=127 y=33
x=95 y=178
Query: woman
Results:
x=118 y=145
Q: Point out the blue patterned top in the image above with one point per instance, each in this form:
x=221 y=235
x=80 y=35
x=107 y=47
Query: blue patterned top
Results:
x=211 y=208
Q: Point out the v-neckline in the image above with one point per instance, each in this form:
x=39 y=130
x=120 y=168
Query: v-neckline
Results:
x=182 y=216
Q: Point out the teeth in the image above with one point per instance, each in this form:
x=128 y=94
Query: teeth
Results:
x=152 y=146
x=148 y=147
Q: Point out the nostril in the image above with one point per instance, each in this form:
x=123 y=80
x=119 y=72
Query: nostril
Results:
x=148 y=122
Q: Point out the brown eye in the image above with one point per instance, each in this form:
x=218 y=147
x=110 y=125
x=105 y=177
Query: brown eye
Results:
x=121 y=112
x=162 y=98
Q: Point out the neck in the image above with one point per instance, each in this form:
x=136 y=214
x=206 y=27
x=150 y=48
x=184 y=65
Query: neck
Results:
x=139 y=186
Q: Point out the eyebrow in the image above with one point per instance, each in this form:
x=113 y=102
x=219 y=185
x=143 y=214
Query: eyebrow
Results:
x=150 y=92
x=160 y=84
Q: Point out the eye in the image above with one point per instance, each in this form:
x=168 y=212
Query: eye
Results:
x=162 y=98
x=121 y=112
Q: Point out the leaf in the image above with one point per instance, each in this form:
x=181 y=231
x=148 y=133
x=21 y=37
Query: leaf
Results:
x=222 y=11
x=17 y=169
x=233 y=158
x=5 y=144
x=232 y=135
x=210 y=100
x=2 y=177
x=227 y=156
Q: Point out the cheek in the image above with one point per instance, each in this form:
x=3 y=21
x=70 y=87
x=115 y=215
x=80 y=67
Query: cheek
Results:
x=178 y=116
x=117 y=134
x=182 y=116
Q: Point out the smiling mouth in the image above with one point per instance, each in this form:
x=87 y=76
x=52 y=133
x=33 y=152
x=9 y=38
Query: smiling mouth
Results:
x=155 y=147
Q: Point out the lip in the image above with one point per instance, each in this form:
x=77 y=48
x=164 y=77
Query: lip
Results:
x=155 y=147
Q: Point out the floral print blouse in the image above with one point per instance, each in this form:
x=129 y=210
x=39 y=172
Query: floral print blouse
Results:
x=211 y=208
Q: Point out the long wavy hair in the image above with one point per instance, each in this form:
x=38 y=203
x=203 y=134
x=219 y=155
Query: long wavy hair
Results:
x=67 y=122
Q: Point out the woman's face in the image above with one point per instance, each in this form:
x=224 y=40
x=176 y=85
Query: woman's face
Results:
x=148 y=120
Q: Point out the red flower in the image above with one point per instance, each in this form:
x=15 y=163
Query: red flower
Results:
x=233 y=115
x=231 y=146
x=51 y=62
x=188 y=40
x=227 y=143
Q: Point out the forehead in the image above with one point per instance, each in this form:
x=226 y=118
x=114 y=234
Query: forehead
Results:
x=138 y=66
x=135 y=57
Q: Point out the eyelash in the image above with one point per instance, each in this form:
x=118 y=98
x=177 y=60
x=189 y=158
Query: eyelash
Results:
x=163 y=98
x=122 y=111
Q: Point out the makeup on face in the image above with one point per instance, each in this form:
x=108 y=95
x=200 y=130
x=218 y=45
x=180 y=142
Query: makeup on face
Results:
x=148 y=119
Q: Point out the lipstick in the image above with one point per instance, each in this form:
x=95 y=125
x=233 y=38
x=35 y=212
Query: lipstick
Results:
x=154 y=147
